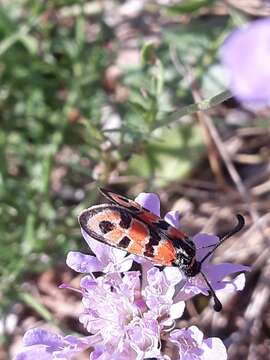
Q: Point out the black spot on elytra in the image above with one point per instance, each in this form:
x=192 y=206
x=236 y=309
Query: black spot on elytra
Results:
x=124 y=242
x=106 y=226
x=162 y=224
x=126 y=219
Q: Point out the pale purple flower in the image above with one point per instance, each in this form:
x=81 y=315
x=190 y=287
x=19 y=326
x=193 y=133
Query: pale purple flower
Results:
x=129 y=313
x=192 y=346
x=108 y=306
x=159 y=294
x=127 y=317
x=246 y=56
x=44 y=345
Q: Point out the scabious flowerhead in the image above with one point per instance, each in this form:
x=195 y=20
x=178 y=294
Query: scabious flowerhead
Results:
x=127 y=317
x=246 y=55
x=129 y=314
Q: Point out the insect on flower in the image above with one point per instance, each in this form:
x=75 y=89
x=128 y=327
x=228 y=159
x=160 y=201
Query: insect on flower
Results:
x=126 y=225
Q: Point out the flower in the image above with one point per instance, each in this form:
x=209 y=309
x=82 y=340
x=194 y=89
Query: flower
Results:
x=191 y=345
x=44 y=345
x=246 y=56
x=159 y=297
x=129 y=319
x=130 y=313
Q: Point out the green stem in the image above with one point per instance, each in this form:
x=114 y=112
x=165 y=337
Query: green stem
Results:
x=193 y=108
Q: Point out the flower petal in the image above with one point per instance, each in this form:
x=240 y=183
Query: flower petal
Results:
x=196 y=334
x=83 y=263
x=217 y=272
x=177 y=310
x=236 y=284
x=173 y=275
x=99 y=249
x=43 y=345
x=173 y=218
x=239 y=282
x=150 y=201
x=202 y=240
x=213 y=348
x=110 y=258
x=39 y=352
x=252 y=44
x=125 y=264
x=41 y=336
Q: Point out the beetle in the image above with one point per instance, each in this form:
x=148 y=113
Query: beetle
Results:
x=127 y=225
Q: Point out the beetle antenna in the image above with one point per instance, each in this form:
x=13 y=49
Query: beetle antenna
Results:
x=217 y=303
x=236 y=229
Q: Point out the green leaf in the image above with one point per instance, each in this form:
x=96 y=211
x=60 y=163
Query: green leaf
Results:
x=8 y=42
x=28 y=242
x=159 y=78
x=40 y=309
x=30 y=43
x=148 y=54
x=188 y=6
x=170 y=156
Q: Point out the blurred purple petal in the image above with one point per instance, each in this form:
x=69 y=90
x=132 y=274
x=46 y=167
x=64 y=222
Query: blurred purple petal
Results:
x=150 y=201
x=125 y=264
x=143 y=335
x=246 y=56
x=159 y=293
x=83 y=263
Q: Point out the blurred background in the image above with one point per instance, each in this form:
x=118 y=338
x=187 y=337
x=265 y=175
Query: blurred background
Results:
x=97 y=93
